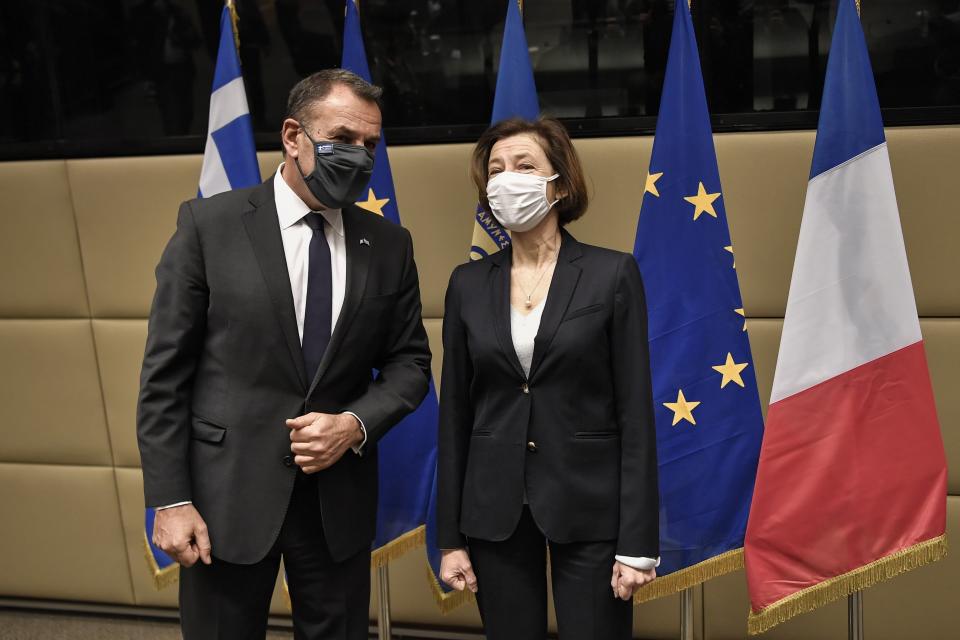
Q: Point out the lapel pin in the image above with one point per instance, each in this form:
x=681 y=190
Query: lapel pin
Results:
x=364 y=241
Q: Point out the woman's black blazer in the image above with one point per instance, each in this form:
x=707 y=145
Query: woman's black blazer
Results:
x=577 y=436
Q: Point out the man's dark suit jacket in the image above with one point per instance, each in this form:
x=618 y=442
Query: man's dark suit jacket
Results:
x=576 y=437
x=223 y=369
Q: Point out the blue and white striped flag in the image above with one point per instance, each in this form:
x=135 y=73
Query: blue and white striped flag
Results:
x=229 y=162
x=230 y=156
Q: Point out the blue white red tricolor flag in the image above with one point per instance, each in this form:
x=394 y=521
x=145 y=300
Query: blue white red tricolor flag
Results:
x=851 y=487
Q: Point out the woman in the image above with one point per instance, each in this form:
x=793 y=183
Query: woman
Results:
x=546 y=419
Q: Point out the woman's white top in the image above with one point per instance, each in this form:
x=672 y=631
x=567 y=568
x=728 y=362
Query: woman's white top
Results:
x=524 y=329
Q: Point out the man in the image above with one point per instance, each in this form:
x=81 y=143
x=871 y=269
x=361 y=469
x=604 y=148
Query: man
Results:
x=259 y=413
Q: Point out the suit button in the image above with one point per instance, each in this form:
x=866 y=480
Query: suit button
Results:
x=288 y=461
x=525 y=388
x=532 y=446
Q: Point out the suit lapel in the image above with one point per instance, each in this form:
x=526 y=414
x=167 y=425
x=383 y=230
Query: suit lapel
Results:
x=263 y=228
x=358 y=263
x=499 y=287
x=565 y=278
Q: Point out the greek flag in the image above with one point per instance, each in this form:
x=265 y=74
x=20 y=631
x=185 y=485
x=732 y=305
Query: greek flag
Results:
x=229 y=162
x=230 y=156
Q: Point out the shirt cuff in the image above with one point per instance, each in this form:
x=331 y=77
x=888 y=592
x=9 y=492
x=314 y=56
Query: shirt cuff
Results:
x=359 y=448
x=171 y=506
x=640 y=564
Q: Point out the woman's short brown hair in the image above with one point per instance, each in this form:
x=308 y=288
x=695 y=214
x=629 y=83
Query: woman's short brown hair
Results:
x=556 y=144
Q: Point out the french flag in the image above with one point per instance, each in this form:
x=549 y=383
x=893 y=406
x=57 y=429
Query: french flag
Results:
x=852 y=481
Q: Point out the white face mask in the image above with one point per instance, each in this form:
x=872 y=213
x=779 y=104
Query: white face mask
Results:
x=519 y=200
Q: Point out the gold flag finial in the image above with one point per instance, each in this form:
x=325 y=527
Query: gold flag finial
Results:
x=234 y=19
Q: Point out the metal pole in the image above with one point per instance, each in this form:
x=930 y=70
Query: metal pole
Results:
x=855 y=616
x=686 y=614
x=383 y=623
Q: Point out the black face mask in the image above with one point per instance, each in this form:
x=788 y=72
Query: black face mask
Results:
x=340 y=172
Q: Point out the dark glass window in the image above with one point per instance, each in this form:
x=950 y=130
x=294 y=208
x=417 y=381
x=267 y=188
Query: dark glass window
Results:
x=108 y=77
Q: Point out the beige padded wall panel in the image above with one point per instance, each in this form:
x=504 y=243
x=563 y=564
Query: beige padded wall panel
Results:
x=434 y=329
x=51 y=409
x=764 y=337
x=615 y=171
x=922 y=603
x=941 y=340
x=925 y=162
x=61 y=534
x=437 y=204
x=126 y=211
x=661 y=618
x=765 y=182
x=268 y=161
x=39 y=254
x=726 y=606
x=918 y=604
x=120 y=353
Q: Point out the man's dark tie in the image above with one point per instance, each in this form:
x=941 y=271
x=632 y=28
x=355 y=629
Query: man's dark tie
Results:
x=317 y=317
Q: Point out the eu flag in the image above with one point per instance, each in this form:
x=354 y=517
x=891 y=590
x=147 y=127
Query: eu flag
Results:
x=229 y=162
x=408 y=454
x=706 y=403
x=515 y=96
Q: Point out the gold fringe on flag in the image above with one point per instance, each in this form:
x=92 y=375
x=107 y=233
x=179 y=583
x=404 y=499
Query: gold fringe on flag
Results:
x=690 y=577
x=162 y=578
x=398 y=546
x=843 y=585
x=409 y=541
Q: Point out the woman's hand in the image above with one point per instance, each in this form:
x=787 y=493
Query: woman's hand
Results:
x=626 y=580
x=456 y=570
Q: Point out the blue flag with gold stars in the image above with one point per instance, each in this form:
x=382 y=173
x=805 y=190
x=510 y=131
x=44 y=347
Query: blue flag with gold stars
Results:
x=408 y=454
x=706 y=403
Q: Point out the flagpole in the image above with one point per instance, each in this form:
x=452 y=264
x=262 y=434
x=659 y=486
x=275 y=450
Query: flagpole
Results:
x=686 y=614
x=686 y=596
x=855 y=616
x=855 y=599
x=383 y=600
x=234 y=19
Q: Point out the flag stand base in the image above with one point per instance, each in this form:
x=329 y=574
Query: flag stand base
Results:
x=383 y=600
x=686 y=614
x=855 y=616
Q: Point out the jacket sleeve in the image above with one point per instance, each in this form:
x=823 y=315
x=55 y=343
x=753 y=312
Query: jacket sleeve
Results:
x=175 y=338
x=456 y=421
x=639 y=493
x=404 y=377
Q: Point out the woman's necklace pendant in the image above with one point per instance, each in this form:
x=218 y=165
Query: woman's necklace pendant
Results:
x=528 y=303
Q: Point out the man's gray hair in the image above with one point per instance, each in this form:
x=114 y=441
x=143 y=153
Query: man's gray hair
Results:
x=317 y=86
